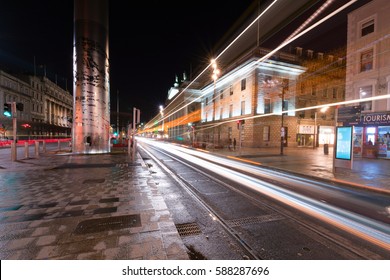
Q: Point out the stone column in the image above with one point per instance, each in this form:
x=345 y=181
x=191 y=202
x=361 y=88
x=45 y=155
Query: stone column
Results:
x=91 y=92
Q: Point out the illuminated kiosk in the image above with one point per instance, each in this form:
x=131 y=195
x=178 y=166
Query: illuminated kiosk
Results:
x=91 y=107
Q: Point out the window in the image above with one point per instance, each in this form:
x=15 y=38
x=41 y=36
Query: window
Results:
x=231 y=110
x=266 y=133
x=366 y=92
x=242 y=107
x=231 y=89
x=334 y=93
x=243 y=84
x=221 y=113
x=367 y=27
x=366 y=60
x=267 y=105
x=285 y=106
x=303 y=88
x=313 y=90
x=207 y=100
x=325 y=93
x=221 y=94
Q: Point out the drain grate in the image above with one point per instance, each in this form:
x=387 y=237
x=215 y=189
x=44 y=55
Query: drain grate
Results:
x=110 y=223
x=188 y=229
x=254 y=220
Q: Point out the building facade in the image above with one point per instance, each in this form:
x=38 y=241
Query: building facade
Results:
x=258 y=103
x=245 y=104
x=47 y=108
x=368 y=77
x=322 y=83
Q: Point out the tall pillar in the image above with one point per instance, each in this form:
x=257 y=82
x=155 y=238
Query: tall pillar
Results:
x=91 y=92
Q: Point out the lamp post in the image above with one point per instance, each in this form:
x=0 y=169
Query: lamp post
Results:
x=282 y=132
x=14 y=128
x=276 y=83
x=215 y=77
x=162 y=117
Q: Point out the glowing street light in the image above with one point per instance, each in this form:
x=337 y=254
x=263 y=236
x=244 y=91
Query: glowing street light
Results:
x=216 y=71
x=162 y=117
x=215 y=75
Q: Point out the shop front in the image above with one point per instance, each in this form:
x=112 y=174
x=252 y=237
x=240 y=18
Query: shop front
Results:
x=371 y=136
x=307 y=134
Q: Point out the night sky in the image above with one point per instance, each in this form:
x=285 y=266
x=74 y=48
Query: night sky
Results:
x=150 y=42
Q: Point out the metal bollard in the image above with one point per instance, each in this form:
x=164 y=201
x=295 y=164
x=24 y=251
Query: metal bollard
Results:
x=26 y=149
x=14 y=151
x=37 y=149
x=44 y=146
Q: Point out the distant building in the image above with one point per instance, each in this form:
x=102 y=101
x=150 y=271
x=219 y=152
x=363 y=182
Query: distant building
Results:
x=47 y=108
x=368 y=75
x=322 y=83
x=246 y=102
x=180 y=114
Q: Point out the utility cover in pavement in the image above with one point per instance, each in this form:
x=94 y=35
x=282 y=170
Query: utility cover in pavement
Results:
x=188 y=229
x=109 y=223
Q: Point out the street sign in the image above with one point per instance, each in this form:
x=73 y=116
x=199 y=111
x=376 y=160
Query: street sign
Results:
x=349 y=113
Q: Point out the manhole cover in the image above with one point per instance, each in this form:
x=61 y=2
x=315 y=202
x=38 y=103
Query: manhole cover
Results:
x=110 y=223
x=188 y=229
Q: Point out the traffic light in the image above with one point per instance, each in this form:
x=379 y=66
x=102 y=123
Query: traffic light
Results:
x=239 y=123
x=7 y=110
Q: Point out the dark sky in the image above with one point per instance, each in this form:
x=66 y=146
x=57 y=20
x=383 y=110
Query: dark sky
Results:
x=150 y=42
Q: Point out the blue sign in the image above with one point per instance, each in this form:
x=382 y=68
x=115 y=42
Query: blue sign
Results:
x=344 y=142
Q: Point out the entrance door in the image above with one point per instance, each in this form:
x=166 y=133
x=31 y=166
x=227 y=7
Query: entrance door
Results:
x=370 y=135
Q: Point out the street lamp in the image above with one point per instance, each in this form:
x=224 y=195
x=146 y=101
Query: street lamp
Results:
x=282 y=131
x=276 y=83
x=215 y=77
x=162 y=117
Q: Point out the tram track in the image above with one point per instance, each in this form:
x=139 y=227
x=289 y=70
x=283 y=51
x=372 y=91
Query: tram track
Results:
x=277 y=213
x=231 y=231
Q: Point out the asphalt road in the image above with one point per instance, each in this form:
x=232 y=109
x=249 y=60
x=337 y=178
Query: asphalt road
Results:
x=280 y=215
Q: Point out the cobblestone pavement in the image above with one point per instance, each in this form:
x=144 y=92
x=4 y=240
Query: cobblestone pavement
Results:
x=63 y=206
x=84 y=207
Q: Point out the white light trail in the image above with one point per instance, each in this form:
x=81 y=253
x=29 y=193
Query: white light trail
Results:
x=218 y=56
x=365 y=228
x=286 y=42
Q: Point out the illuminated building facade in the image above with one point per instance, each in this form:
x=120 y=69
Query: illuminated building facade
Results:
x=182 y=112
x=254 y=92
x=245 y=102
x=368 y=75
x=47 y=108
x=179 y=116
x=322 y=83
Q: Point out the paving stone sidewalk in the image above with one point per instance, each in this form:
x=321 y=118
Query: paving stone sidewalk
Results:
x=64 y=206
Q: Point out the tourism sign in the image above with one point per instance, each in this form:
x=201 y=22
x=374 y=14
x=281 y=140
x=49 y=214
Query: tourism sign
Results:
x=381 y=118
